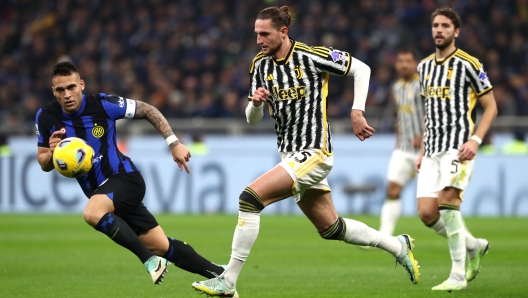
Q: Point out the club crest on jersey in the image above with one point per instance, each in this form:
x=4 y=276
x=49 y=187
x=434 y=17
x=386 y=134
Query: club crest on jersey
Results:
x=336 y=56
x=484 y=79
x=97 y=131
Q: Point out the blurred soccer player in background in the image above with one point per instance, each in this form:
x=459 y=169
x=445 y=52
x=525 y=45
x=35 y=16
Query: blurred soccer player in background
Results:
x=292 y=79
x=409 y=133
x=114 y=186
x=451 y=81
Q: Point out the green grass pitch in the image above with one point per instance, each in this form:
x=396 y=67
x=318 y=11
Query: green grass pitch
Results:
x=61 y=256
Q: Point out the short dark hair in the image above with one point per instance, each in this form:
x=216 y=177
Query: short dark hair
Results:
x=64 y=68
x=411 y=51
x=280 y=17
x=448 y=12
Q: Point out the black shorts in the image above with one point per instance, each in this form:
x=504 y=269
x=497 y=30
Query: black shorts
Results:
x=127 y=190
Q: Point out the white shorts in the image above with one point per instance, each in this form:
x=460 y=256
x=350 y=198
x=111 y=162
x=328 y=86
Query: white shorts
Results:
x=442 y=170
x=401 y=167
x=308 y=169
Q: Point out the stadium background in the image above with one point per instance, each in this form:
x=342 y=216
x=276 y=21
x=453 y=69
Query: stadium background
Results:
x=190 y=59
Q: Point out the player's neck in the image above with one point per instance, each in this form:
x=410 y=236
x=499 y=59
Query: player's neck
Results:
x=441 y=54
x=284 y=50
x=407 y=79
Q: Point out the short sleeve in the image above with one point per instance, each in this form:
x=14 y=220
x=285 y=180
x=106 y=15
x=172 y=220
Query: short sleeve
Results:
x=331 y=61
x=478 y=78
x=118 y=107
x=254 y=77
x=43 y=129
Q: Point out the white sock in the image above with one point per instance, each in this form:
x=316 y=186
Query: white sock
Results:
x=456 y=234
x=472 y=244
x=390 y=212
x=358 y=233
x=439 y=227
x=246 y=233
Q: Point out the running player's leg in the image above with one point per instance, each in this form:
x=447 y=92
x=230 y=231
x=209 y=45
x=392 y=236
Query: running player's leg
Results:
x=178 y=252
x=107 y=212
x=99 y=213
x=271 y=187
x=400 y=172
x=317 y=205
x=391 y=208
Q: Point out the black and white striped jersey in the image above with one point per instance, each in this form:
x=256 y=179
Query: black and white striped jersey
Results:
x=298 y=87
x=450 y=88
x=410 y=107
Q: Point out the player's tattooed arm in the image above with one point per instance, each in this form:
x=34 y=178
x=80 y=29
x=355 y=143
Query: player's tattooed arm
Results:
x=154 y=116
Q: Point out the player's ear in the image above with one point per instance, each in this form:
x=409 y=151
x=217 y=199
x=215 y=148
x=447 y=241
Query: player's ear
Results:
x=457 y=32
x=284 y=32
x=82 y=84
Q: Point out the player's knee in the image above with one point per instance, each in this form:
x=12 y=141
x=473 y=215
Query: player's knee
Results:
x=90 y=217
x=249 y=201
x=336 y=231
x=393 y=191
x=427 y=216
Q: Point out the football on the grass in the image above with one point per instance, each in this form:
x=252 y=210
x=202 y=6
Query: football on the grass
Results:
x=73 y=157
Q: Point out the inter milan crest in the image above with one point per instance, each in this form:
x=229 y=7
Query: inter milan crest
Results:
x=97 y=131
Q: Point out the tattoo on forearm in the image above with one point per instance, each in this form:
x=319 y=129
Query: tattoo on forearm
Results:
x=154 y=116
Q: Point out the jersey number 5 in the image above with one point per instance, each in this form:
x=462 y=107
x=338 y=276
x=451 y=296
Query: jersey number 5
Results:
x=455 y=163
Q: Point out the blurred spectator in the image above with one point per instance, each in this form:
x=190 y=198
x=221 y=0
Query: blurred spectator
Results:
x=517 y=146
x=197 y=146
x=191 y=58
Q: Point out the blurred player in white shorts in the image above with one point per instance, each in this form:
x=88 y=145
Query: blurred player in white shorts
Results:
x=410 y=115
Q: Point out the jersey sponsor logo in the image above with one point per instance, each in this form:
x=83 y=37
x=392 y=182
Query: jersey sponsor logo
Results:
x=337 y=56
x=298 y=72
x=97 y=131
x=270 y=77
x=443 y=92
x=292 y=93
x=484 y=79
x=121 y=102
x=96 y=159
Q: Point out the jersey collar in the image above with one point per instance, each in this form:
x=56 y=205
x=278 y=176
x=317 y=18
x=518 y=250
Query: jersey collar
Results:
x=285 y=60
x=441 y=62
x=81 y=109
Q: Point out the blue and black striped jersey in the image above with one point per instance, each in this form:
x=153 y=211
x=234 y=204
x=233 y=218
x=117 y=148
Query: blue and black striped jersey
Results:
x=95 y=123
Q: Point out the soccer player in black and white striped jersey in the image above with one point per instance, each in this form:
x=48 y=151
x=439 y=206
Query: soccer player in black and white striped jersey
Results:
x=291 y=78
x=409 y=132
x=451 y=81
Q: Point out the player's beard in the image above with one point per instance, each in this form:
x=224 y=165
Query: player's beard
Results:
x=447 y=41
x=273 y=50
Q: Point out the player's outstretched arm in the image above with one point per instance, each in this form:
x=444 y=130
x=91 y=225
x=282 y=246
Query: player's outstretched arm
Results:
x=180 y=153
x=44 y=155
x=361 y=73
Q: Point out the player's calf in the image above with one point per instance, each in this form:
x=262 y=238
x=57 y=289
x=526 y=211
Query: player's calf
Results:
x=336 y=231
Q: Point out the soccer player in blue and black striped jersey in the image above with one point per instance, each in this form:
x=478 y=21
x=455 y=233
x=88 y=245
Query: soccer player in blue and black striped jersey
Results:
x=114 y=185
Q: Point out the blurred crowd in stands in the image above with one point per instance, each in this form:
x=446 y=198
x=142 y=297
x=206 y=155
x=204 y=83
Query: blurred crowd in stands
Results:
x=191 y=57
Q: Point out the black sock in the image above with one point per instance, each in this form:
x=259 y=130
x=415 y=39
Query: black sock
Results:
x=186 y=258
x=120 y=232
